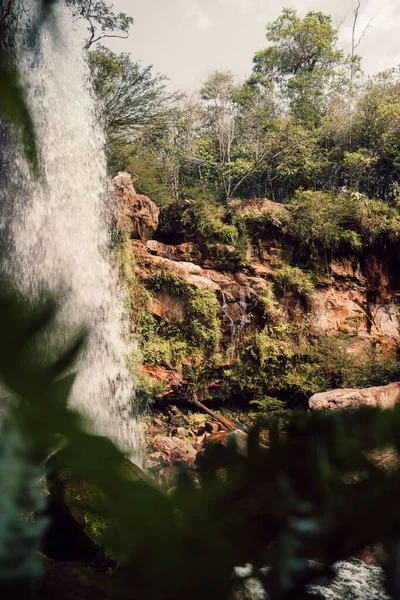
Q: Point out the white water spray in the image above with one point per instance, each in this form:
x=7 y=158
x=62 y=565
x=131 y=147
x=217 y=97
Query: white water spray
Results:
x=55 y=228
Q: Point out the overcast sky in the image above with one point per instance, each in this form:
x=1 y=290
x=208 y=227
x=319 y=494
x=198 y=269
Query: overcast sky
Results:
x=188 y=39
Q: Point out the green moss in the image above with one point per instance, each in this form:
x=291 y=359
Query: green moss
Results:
x=97 y=525
x=202 y=323
x=135 y=295
x=267 y=306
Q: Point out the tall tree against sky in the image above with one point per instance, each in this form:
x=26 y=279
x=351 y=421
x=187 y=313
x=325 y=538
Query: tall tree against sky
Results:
x=131 y=95
x=301 y=61
x=102 y=21
x=219 y=92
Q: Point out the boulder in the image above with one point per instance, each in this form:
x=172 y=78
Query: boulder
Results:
x=376 y=397
x=182 y=252
x=172 y=380
x=142 y=212
x=175 y=450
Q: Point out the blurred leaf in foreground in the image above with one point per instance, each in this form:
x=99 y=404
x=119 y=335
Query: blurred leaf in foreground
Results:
x=14 y=110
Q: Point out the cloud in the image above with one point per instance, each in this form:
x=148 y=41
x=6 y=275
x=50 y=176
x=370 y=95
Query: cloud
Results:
x=242 y=6
x=193 y=11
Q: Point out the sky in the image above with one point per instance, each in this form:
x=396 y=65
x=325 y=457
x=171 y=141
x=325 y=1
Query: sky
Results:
x=188 y=39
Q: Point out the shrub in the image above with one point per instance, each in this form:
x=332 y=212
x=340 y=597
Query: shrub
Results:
x=205 y=222
x=379 y=222
x=262 y=220
x=338 y=223
x=292 y=280
x=325 y=222
x=267 y=305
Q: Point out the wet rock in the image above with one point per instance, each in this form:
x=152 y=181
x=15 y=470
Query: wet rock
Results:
x=378 y=397
x=177 y=421
x=169 y=308
x=175 y=450
x=223 y=439
x=186 y=252
x=347 y=268
x=158 y=249
x=154 y=460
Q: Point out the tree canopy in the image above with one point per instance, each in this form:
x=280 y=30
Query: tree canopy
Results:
x=131 y=96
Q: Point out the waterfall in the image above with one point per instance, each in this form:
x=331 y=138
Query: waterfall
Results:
x=55 y=229
x=243 y=313
x=225 y=310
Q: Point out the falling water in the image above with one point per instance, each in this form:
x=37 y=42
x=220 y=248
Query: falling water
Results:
x=243 y=312
x=225 y=309
x=55 y=229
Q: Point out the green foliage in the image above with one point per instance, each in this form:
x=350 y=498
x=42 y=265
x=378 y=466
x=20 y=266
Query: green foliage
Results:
x=266 y=303
x=327 y=363
x=204 y=221
x=268 y=404
x=262 y=221
x=201 y=326
x=292 y=280
x=147 y=169
x=130 y=96
x=302 y=60
x=20 y=496
x=267 y=407
x=299 y=121
x=327 y=222
x=14 y=110
x=324 y=222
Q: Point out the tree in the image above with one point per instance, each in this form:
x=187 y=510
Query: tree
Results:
x=301 y=61
x=131 y=96
x=219 y=92
x=102 y=21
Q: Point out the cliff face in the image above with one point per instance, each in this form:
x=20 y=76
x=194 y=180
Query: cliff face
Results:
x=265 y=309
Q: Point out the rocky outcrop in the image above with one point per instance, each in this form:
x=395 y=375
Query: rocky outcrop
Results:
x=143 y=214
x=376 y=397
x=355 y=298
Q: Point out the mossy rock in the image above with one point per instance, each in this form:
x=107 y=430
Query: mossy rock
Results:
x=79 y=523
